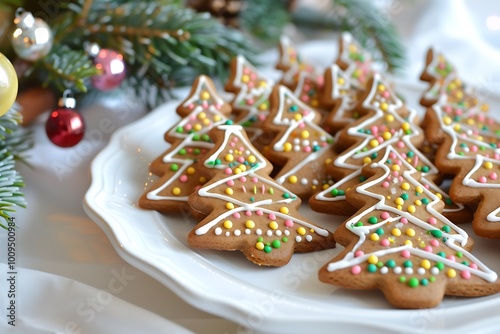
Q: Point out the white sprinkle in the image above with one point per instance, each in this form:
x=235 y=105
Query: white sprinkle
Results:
x=315 y=182
x=305 y=142
x=397 y=270
x=421 y=271
x=237 y=233
x=278 y=233
x=384 y=270
x=298 y=238
x=247 y=231
x=228 y=234
x=434 y=270
x=296 y=141
x=393 y=191
x=303 y=181
x=269 y=233
x=287 y=232
x=218 y=231
x=296 y=148
x=258 y=231
x=408 y=271
x=309 y=237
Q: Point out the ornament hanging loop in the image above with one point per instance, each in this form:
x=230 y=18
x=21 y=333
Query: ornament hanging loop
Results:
x=67 y=100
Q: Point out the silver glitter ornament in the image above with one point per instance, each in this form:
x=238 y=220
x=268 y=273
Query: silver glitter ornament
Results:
x=32 y=38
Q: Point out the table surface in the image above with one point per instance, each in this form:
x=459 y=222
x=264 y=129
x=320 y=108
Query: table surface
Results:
x=67 y=268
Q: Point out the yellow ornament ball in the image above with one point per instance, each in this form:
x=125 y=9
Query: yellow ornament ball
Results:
x=8 y=84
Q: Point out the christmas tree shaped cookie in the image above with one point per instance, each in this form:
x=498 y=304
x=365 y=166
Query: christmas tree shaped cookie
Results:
x=292 y=64
x=179 y=177
x=355 y=61
x=246 y=209
x=400 y=243
x=387 y=123
x=469 y=149
x=301 y=146
x=251 y=100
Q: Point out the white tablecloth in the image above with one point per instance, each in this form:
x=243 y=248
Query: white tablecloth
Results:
x=71 y=280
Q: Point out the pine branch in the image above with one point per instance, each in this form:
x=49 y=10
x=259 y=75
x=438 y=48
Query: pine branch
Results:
x=256 y=19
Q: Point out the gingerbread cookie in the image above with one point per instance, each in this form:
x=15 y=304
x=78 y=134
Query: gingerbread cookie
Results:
x=179 y=177
x=400 y=243
x=387 y=122
x=469 y=149
x=246 y=209
x=251 y=100
x=301 y=146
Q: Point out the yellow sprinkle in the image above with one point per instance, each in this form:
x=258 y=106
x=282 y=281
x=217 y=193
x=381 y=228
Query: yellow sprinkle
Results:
x=422 y=244
x=340 y=81
x=325 y=186
x=252 y=159
x=229 y=206
x=419 y=189
x=197 y=127
x=399 y=201
x=488 y=165
x=410 y=232
x=229 y=191
x=457 y=127
x=439 y=195
x=451 y=273
x=242 y=167
x=205 y=95
x=287 y=147
x=408 y=243
x=411 y=208
x=292 y=179
x=304 y=134
x=202 y=179
x=399 y=207
x=426 y=264
x=386 y=135
x=262 y=83
x=259 y=245
x=405 y=186
x=447 y=120
x=229 y=157
x=328 y=161
x=216 y=118
x=314 y=103
x=262 y=106
x=367 y=160
x=249 y=224
x=418 y=202
x=395 y=167
x=245 y=78
x=459 y=95
x=374 y=143
x=297 y=117
x=301 y=231
x=237 y=170
x=381 y=87
x=206 y=122
x=284 y=210
x=452 y=86
x=273 y=225
x=228 y=224
x=202 y=115
x=406 y=126
x=470 y=121
x=176 y=191
x=191 y=170
x=396 y=232
x=373 y=259
x=384 y=106
x=374 y=237
x=389 y=118
x=485 y=107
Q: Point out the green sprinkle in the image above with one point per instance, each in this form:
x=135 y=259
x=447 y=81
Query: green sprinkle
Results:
x=341 y=192
x=267 y=249
x=390 y=263
x=448 y=201
x=410 y=154
x=413 y=282
x=284 y=239
x=182 y=151
x=294 y=108
x=230 y=122
x=446 y=228
x=179 y=129
x=425 y=169
x=465 y=263
x=276 y=244
x=373 y=220
x=374 y=155
x=196 y=137
x=432 y=279
x=362 y=178
x=260 y=239
x=459 y=254
x=424 y=282
x=174 y=167
x=404 y=196
x=358 y=224
x=440 y=265
x=402 y=279
x=408 y=264
x=372 y=268
x=196 y=151
x=380 y=231
x=436 y=233
x=205 y=137
x=217 y=162
x=425 y=200
x=334 y=192
x=380 y=264
x=271 y=191
x=286 y=195
x=252 y=199
x=442 y=254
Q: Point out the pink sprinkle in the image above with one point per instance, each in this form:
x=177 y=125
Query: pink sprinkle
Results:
x=246 y=70
x=240 y=159
x=259 y=212
x=262 y=117
x=307 y=88
x=244 y=189
x=263 y=189
x=253 y=76
x=465 y=274
x=385 y=215
x=231 y=144
x=404 y=220
x=320 y=81
x=441 y=66
x=399 y=162
x=385 y=242
x=188 y=127
x=380 y=139
x=218 y=106
x=189 y=149
x=434 y=242
x=458 y=112
x=406 y=254
x=447 y=109
x=404 y=155
x=473 y=266
x=204 y=105
x=451 y=257
x=385 y=184
x=496 y=156
x=493 y=176
x=426 y=186
x=374 y=130
x=235 y=139
x=190 y=106
x=386 y=94
x=250 y=85
x=428 y=249
x=432 y=220
x=480 y=117
x=241 y=148
x=254 y=179
x=183 y=178
x=250 y=101
x=272 y=216
x=359 y=253
x=482 y=179
x=306 y=112
x=305 y=98
x=243 y=179
x=248 y=213
x=230 y=183
x=236 y=215
x=356 y=270
x=197 y=188
x=302 y=125
x=400 y=144
x=395 y=173
x=288 y=223
x=400 y=178
x=473 y=148
x=228 y=171
x=307 y=149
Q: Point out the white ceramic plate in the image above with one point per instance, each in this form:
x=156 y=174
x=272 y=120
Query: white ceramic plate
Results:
x=288 y=299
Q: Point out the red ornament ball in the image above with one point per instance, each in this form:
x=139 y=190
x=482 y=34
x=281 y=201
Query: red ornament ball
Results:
x=112 y=67
x=65 y=127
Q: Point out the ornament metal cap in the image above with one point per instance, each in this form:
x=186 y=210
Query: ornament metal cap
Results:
x=92 y=49
x=67 y=100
